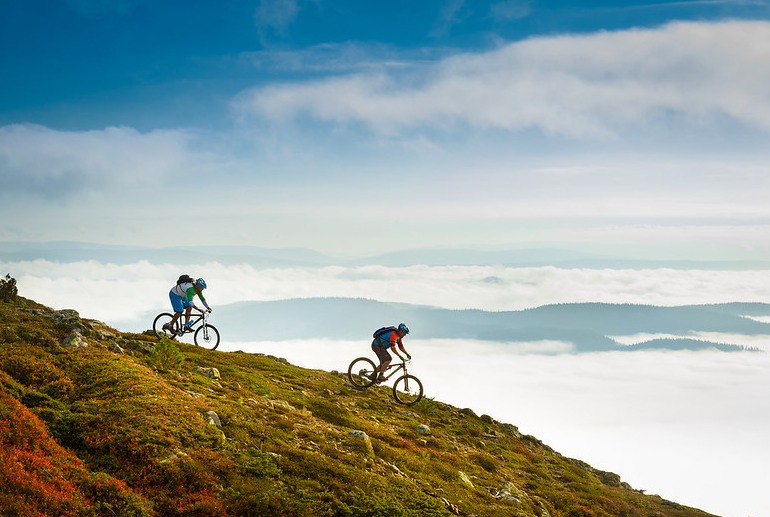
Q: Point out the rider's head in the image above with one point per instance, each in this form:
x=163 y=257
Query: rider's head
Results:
x=201 y=283
x=403 y=329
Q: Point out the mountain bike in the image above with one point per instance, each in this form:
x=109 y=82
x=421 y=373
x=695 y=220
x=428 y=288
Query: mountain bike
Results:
x=406 y=390
x=205 y=335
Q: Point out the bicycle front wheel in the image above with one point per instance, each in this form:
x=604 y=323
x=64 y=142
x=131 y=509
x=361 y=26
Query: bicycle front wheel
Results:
x=207 y=336
x=161 y=320
x=360 y=372
x=407 y=390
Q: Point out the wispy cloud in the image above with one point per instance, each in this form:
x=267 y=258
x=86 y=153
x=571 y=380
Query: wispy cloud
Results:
x=510 y=10
x=275 y=16
x=42 y=162
x=594 y=86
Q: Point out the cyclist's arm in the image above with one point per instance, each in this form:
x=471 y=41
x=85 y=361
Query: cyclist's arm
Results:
x=191 y=298
x=205 y=304
x=401 y=346
x=396 y=341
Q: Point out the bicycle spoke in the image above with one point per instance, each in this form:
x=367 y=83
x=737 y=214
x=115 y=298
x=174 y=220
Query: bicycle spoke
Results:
x=407 y=390
x=360 y=372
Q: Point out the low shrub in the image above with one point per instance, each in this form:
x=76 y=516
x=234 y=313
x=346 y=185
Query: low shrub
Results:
x=165 y=356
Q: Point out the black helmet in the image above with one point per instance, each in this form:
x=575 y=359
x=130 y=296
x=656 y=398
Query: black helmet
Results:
x=184 y=278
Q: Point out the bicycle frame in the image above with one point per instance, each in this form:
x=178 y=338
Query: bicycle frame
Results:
x=407 y=389
x=204 y=333
x=396 y=367
x=195 y=319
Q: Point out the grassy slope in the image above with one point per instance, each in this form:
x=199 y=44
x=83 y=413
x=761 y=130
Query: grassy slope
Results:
x=93 y=431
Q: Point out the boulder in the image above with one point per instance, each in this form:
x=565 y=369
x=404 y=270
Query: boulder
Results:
x=208 y=372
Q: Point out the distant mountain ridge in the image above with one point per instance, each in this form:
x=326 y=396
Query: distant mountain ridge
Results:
x=259 y=257
x=588 y=326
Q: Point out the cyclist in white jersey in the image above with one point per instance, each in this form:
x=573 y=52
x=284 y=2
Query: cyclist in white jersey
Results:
x=181 y=296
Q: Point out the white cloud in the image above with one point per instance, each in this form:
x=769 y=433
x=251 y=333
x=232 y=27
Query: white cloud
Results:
x=597 y=85
x=123 y=293
x=55 y=164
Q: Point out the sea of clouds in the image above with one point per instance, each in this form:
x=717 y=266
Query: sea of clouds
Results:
x=689 y=426
x=120 y=294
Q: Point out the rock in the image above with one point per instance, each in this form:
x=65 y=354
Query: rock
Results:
x=509 y=492
x=423 y=430
x=363 y=443
x=396 y=470
x=104 y=335
x=74 y=341
x=281 y=404
x=608 y=478
x=465 y=479
x=451 y=507
x=511 y=430
x=213 y=419
x=208 y=372
x=116 y=348
x=71 y=318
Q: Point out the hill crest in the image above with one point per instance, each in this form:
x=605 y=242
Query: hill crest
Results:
x=95 y=421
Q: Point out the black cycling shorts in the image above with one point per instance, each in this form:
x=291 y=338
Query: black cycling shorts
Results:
x=382 y=353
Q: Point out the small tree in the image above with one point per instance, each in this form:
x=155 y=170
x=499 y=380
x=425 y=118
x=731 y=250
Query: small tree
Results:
x=8 y=290
x=165 y=355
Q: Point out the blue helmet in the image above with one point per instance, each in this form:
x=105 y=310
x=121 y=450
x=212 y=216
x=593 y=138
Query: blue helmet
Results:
x=403 y=328
x=201 y=283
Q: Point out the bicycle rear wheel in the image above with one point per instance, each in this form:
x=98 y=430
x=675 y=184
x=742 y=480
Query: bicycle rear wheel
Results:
x=360 y=372
x=207 y=338
x=163 y=319
x=407 y=390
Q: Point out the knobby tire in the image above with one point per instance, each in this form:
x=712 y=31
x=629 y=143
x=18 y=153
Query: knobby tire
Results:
x=160 y=320
x=407 y=390
x=212 y=342
x=359 y=371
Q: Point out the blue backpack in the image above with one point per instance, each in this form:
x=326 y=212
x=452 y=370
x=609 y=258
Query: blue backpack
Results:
x=382 y=330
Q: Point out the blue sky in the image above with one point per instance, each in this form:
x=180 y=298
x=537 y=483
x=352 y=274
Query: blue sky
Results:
x=358 y=127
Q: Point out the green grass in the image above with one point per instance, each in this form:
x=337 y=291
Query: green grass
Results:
x=87 y=431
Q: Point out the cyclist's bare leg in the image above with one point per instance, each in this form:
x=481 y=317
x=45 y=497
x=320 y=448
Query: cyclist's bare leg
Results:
x=173 y=320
